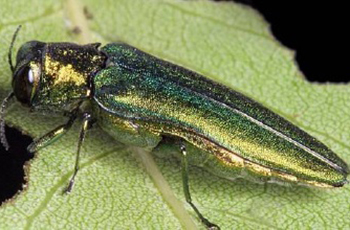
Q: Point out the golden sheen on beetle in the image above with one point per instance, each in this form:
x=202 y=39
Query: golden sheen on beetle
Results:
x=144 y=101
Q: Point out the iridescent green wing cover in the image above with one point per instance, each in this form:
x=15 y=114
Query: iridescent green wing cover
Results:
x=169 y=100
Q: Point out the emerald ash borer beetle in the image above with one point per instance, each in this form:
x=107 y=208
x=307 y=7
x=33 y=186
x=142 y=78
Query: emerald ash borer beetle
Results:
x=147 y=102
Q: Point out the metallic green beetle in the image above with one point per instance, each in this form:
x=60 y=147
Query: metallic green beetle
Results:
x=147 y=102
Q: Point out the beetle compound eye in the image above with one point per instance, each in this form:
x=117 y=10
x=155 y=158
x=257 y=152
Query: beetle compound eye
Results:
x=23 y=84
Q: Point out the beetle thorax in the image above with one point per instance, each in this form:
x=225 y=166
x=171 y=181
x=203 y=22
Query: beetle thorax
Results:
x=66 y=73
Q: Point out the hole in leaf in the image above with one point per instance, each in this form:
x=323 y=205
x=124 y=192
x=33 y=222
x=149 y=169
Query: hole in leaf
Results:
x=12 y=162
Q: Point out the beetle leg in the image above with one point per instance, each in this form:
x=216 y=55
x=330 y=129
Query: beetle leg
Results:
x=51 y=136
x=184 y=169
x=87 y=121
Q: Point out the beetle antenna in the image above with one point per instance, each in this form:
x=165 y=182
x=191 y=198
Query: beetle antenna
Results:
x=2 y=121
x=11 y=48
x=5 y=101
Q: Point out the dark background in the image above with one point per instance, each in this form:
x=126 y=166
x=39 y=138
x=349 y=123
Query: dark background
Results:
x=316 y=31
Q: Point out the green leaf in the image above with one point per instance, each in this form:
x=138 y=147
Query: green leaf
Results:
x=120 y=187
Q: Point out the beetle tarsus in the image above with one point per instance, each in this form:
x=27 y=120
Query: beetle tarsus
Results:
x=69 y=188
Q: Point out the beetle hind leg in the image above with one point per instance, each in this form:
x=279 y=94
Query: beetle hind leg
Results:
x=184 y=171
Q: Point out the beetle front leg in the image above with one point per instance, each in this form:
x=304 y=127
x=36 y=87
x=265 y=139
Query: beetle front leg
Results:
x=51 y=136
x=87 y=122
x=184 y=169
